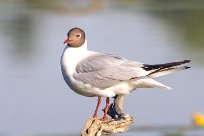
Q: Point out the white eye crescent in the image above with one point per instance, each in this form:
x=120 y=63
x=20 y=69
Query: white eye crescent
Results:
x=78 y=35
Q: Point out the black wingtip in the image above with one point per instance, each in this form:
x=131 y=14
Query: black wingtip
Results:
x=163 y=66
x=186 y=61
x=187 y=67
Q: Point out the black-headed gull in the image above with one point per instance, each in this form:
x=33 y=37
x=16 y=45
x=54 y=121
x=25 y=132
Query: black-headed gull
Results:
x=92 y=74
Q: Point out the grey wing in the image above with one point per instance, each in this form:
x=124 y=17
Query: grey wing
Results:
x=105 y=70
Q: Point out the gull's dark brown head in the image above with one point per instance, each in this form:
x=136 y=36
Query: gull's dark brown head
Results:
x=76 y=37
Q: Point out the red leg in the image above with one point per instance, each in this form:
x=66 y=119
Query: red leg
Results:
x=97 y=106
x=106 y=109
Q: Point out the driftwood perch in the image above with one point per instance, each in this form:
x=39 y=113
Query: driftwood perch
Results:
x=95 y=127
x=120 y=122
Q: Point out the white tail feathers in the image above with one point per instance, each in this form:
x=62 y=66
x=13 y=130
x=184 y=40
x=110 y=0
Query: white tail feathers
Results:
x=157 y=71
x=151 y=83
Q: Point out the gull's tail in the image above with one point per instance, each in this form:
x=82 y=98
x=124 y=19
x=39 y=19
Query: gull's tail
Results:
x=165 y=69
x=160 y=70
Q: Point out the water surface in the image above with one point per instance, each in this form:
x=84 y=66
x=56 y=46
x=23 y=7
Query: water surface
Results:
x=34 y=99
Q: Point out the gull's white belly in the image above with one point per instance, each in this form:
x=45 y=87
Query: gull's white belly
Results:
x=87 y=90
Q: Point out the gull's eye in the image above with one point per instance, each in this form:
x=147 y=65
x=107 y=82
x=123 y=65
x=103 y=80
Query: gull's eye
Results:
x=78 y=35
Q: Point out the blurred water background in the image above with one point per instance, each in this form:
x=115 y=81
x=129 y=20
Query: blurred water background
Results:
x=34 y=99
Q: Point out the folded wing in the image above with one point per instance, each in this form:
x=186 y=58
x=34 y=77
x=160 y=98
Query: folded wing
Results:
x=105 y=70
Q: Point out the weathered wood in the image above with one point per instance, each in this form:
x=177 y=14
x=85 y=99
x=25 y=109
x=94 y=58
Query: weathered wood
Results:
x=95 y=127
x=120 y=122
x=115 y=109
x=119 y=104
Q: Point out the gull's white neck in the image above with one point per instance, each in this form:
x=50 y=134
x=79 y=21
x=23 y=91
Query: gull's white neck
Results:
x=71 y=56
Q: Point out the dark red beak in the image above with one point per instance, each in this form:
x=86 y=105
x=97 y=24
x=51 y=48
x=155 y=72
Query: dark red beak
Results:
x=67 y=41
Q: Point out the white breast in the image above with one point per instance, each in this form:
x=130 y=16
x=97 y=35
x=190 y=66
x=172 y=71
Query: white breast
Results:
x=69 y=60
